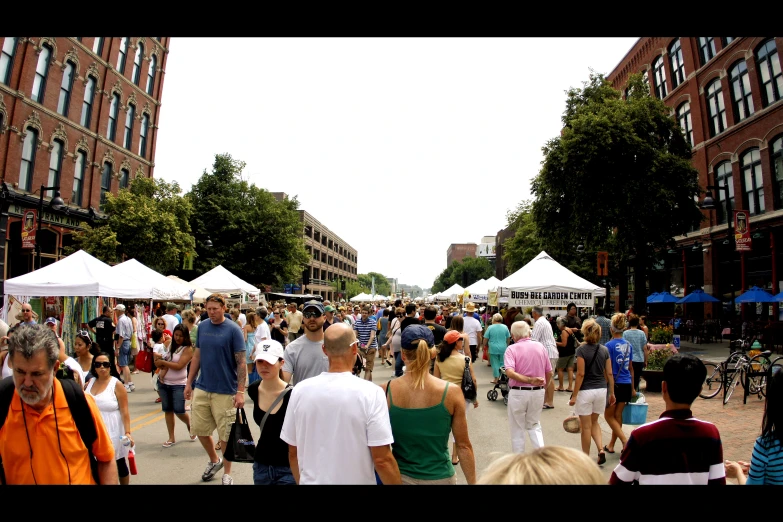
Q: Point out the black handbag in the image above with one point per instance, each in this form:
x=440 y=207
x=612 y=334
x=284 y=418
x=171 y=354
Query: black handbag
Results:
x=240 y=446
x=468 y=386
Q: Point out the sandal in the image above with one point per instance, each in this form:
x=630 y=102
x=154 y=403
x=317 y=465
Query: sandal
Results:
x=601 y=458
x=560 y=389
x=607 y=450
x=455 y=462
x=217 y=446
x=169 y=443
x=569 y=391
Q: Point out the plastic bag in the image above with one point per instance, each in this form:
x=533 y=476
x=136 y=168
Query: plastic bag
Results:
x=639 y=399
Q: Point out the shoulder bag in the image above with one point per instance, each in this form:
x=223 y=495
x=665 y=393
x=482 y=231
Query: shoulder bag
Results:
x=468 y=386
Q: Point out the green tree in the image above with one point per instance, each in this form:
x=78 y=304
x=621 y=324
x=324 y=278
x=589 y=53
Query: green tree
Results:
x=475 y=267
x=352 y=288
x=253 y=235
x=618 y=178
x=382 y=286
x=148 y=221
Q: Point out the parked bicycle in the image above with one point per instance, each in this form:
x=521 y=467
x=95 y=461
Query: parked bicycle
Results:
x=739 y=367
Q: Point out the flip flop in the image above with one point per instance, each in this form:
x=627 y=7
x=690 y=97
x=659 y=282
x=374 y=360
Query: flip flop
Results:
x=560 y=389
x=168 y=444
x=455 y=463
x=570 y=391
x=607 y=450
x=548 y=407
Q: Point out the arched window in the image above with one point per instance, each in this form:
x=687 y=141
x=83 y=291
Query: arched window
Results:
x=137 y=62
x=741 y=100
x=145 y=122
x=64 y=102
x=770 y=75
x=716 y=108
x=55 y=164
x=28 y=160
x=706 y=48
x=776 y=152
x=114 y=108
x=129 y=126
x=97 y=45
x=7 y=59
x=723 y=176
x=151 y=74
x=105 y=182
x=89 y=98
x=684 y=119
x=677 y=65
x=659 y=78
x=124 y=177
x=41 y=72
x=753 y=188
x=78 y=177
x=123 y=54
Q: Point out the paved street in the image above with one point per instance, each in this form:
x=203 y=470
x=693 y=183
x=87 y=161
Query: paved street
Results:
x=183 y=463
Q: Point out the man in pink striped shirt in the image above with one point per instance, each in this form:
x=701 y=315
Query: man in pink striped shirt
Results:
x=529 y=371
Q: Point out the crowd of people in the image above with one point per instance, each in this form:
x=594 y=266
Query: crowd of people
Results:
x=308 y=371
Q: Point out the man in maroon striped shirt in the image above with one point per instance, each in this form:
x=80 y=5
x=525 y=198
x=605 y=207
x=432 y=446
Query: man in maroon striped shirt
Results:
x=677 y=448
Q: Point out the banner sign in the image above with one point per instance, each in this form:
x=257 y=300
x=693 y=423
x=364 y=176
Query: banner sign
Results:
x=551 y=299
x=492 y=299
x=742 y=231
x=29 y=221
x=481 y=298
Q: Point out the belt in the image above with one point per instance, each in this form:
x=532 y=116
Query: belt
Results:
x=527 y=388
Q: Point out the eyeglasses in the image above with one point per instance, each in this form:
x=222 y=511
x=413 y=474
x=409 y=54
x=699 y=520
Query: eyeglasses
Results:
x=106 y=364
x=310 y=315
x=83 y=333
x=27 y=309
x=398 y=315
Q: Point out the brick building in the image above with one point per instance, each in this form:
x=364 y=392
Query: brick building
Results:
x=79 y=114
x=726 y=93
x=459 y=251
x=331 y=258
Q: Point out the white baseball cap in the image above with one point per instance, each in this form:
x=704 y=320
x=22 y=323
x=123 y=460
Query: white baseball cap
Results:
x=269 y=350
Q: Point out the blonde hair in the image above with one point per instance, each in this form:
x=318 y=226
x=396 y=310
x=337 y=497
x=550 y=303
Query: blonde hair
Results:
x=189 y=316
x=548 y=465
x=497 y=318
x=418 y=363
x=591 y=331
x=618 y=322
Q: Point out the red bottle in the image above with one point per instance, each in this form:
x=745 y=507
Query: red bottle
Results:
x=132 y=462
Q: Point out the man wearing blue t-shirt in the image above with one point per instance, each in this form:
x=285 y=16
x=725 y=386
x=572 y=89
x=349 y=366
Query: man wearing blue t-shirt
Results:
x=220 y=386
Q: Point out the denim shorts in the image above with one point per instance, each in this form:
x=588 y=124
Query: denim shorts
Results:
x=172 y=397
x=124 y=357
x=264 y=475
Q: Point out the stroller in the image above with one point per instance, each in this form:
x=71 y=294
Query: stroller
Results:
x=502 y=385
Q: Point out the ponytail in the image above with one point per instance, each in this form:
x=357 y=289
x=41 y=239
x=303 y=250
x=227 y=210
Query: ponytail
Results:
x=418 y=363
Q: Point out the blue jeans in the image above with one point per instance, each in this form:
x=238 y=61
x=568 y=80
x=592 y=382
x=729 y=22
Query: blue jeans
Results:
x=124 y=357
x=172 y=398
x=398 y=364
x=264 y=475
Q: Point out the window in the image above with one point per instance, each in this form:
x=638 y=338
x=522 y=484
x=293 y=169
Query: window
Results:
x=78 y=177
x=706 y=48
x=675 y=60
x=659 y=78
x=716 y=108
x=740 y=91
x=124 y=177
x=684 y=119
x=145 y=122
x=111 y=132
x=777 y=169
x=727 y=40
x=7 y=59
x=28 y=160
x=151 y=74
x=770 y=76
x=55 y=164
x=122 y=55
x=97 y=45
x=137 y=63
x=723 y=177
x=105 y=182
x=129 y=126
x=89 y=98
x=41 y=70
x=751 y=181
x=65 y=90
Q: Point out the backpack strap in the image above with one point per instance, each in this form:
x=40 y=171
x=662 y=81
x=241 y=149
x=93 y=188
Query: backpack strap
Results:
x=82 y=416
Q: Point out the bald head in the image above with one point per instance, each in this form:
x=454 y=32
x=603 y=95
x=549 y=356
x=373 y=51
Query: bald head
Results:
x=338 y=339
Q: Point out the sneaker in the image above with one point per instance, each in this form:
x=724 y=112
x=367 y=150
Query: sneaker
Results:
x=132 y=386
x=227 y=480
x=211 y=470
x=128 y=388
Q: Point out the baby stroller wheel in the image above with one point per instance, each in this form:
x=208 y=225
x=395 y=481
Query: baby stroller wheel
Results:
x=505 y=401
x=492 y=395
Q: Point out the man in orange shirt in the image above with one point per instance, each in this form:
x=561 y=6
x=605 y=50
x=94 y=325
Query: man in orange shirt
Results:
x=39 y=441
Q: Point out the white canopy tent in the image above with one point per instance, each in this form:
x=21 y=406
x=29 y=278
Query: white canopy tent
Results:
x=450 y=294
x=359 y=298
x=79 y=274
x=220 y=280
x=199 y=294
x=546 y=282
x=163 y=287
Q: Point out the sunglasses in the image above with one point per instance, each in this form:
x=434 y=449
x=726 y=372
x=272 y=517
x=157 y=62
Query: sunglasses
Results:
x=106 y=364
x=83 y=333
x=27 y=309
x=310 y=315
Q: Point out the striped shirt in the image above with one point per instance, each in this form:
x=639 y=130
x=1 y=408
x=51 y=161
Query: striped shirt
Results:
x=675 y=449
x=606 y=332
x=364 y=329
x=766 y=464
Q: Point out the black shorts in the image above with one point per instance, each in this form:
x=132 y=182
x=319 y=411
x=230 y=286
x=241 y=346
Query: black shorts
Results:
x=622 y=392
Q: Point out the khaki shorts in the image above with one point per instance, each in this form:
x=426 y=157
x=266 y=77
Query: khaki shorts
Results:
x=410 y=481
x=210 y=411
x=369 y=358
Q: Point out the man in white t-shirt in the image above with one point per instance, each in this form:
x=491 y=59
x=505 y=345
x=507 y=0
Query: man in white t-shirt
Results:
x=262 y=330
x=472 y=327
x=337 y=426
x=171 y=317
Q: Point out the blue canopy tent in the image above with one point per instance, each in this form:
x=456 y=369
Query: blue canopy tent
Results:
x=756 y=295
x=698 y=296
x=661 y=297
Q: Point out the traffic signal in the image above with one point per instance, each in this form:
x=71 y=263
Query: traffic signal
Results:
x=306 y=276
x=342 y=285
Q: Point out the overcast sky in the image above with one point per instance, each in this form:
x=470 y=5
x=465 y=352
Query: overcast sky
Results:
x=399 y=146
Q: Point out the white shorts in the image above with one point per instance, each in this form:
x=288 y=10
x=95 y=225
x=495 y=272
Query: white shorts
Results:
x=590 y=401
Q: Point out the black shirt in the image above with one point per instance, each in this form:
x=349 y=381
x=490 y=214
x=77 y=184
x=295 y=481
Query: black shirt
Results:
x=271 y=450
x=277 y=334
x=408 y=321
x=437 y=331
x=104 y=329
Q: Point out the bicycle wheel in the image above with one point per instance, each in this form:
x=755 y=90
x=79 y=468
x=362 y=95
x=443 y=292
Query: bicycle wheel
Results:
x=714 y=381
x=757 y=384
x=733 y=381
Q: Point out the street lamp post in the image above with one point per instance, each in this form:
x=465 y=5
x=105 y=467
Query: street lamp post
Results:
x=56 y=204
x=709 y=204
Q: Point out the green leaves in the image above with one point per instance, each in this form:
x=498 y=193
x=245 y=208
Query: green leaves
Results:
x=475 y=267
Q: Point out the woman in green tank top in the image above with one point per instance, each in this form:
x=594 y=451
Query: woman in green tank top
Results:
x=423 y=410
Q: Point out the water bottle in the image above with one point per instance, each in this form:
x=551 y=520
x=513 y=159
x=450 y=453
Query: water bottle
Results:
x=132 y=461
x=125 y=440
